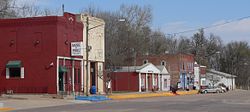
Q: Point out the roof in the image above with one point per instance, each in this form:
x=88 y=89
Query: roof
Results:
x=126 y=69
x=162 y=69
x=40 y=20
x=220 y=73
x=146 y=68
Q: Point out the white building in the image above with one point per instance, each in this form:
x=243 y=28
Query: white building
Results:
x=96 y=43
x=213 y=78
x=164 y=78
x=199 y=76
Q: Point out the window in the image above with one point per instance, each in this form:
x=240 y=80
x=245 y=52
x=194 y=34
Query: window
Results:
x=14 y=72
x=183 y=66
x=142 y=82
x=203 y=81
x=165 y=83
x=163 y=63
x=14 y=69
x=145 y=61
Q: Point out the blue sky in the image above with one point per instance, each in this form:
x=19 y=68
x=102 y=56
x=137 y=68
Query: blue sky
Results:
x=172 y=16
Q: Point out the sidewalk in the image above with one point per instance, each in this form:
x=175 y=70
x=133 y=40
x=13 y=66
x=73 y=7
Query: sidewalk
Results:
x=118 y=96
x=14 y=102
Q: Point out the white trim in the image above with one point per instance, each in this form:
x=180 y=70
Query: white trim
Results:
x=82 y=81
x=73 y=75
x=57 y=74
x=22 y=72
x=146 y=81
x=69 y=58
x=159 y=86
x=7 y=73
x=57 y=70
x=153 y=80
x=139 y=82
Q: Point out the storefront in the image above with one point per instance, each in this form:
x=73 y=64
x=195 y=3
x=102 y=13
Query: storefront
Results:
x=36 y=55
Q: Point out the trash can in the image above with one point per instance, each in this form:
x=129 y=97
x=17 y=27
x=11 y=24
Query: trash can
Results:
x=93 y=90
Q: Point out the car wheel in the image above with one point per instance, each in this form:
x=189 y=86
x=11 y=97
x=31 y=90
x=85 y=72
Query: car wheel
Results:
x=205 y=92
x=217 y=91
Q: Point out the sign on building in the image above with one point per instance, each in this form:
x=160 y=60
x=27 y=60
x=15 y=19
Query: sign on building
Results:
x=76 y=48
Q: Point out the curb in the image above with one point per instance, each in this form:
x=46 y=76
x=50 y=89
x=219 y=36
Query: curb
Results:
x=147 y=95
x=6 y=109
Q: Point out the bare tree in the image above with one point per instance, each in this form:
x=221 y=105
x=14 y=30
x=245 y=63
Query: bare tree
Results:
x=235 y=60
x=184 y=45
x=7 y=9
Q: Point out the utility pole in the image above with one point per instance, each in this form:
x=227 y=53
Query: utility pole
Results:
x=87 y=56
x=88 y=48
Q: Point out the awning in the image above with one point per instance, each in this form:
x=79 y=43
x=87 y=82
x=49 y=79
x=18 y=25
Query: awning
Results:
x=62 y=69
x=14 y=64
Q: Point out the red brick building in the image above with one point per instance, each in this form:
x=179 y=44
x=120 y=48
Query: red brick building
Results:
x=36 y=57
x=180 y=66
x=147 y=77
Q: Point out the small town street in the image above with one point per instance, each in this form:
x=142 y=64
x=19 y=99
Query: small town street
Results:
x=233 y=101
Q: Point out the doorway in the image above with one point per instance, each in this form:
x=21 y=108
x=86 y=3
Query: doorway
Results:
x=61 y=81
x=93 y=73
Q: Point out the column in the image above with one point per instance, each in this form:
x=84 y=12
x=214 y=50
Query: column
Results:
x=82 y=81
x=159 y=83
x=73 y=75
x=57 y=74
x=146 y=81
x=153 y=80
x=139 y=82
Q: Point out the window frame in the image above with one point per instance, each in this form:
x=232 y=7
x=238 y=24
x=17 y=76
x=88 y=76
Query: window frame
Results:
x=163 y=61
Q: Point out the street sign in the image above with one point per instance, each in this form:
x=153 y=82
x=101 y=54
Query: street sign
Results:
x=76 y=48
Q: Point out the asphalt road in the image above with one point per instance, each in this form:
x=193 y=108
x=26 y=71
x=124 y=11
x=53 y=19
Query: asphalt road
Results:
x=233 y=101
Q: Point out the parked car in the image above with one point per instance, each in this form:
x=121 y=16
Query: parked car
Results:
x=224 y=89
x=212 y=90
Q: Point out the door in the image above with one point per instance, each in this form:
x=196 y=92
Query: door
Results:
x=149 y=83
x=61 y=82
x=93 y=73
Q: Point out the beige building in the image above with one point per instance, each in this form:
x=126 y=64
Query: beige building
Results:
x=96 y=41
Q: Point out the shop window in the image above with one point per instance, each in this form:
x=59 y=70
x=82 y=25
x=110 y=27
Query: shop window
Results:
x=145 y=61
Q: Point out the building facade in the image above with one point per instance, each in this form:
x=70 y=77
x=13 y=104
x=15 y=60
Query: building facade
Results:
x=180 y=67
x=36 y=55
x=141 y=78
x=214 y=78
x=199 y=76
x=96 y=58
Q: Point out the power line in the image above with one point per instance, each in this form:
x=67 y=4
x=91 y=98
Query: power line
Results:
x=207 y=27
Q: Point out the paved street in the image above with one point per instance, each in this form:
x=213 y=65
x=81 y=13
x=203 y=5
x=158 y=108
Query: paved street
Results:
x=235 y=101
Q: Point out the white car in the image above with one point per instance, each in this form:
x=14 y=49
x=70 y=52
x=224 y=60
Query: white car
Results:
x=223 y=89
x=212 y=90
